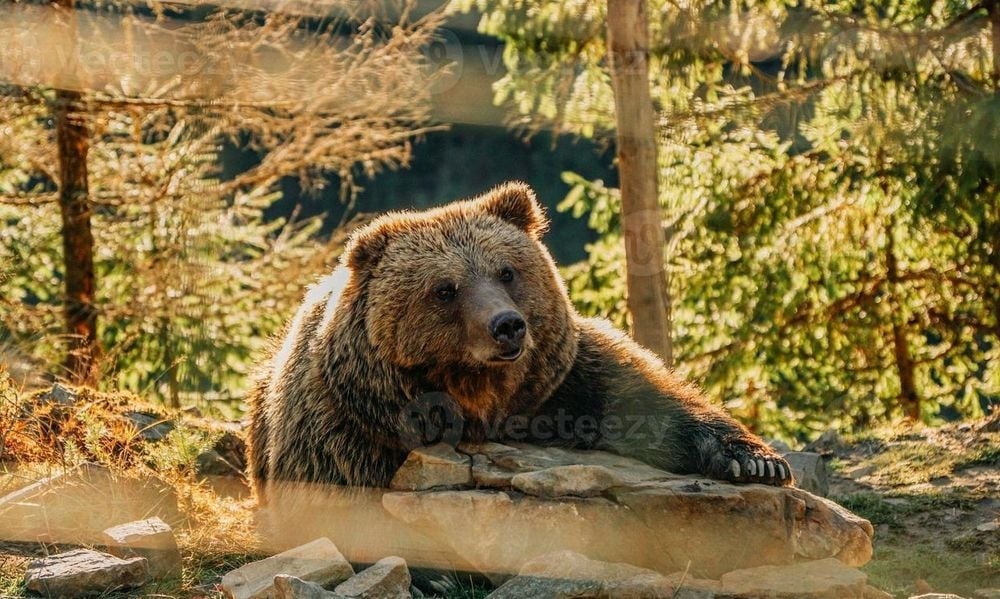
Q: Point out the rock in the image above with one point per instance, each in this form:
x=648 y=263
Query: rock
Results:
x=83 y=572
x=388 y=578
x=290 y=587
x=223 y=466
x=59 y=394
x=581 y=480
x=569 y=574
x=233 y=449
x=485 y=474
x=779 y=445
x=820 y=579
x=434 y=466
x=546 y=588
x=76 y=506
x=826 y=443
x=988 y=526
x=986 y=593
x=211 y=463
x=532 y=501
x=318 y=561
x=152 y=539
x=151 y=427
x=810 y=472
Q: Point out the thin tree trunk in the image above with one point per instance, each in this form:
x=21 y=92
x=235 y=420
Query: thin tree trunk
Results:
x=72 y=140
x=78 y=240
x=994 y=11
x=648 y=293
x=909 y=400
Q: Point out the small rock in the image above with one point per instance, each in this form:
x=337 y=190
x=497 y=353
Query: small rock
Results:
x=60 y=394
x=821 y=579
x=83 y=572
x=779 y=445
x=810 y=472
x=580 y=480
x=485 y=474
x=152 y=539
x=211 y=463
x=986 y=593
x=233 y=449
x=988 y=526
x=434 y=466
x=388 y=578
x=319 y=561
x=224 y=466
x=290 y=587
x=151 y=427
x=826 y=443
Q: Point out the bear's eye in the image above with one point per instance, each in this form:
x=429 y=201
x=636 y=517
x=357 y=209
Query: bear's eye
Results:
x=506 y=274
x=445 y=291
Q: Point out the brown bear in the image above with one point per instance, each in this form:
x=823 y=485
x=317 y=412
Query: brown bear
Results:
x=461 y=310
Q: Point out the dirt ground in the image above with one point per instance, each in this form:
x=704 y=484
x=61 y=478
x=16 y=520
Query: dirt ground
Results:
x=933 y=495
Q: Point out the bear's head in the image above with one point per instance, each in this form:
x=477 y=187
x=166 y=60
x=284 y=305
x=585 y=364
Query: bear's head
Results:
x=465 y=288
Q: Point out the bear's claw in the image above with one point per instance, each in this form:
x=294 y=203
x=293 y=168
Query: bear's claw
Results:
x=768 y=469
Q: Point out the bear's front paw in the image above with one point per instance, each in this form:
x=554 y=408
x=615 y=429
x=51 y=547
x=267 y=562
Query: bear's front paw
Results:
x=756 y=465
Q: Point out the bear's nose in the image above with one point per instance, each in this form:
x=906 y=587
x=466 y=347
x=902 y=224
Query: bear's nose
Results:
x=508 y=327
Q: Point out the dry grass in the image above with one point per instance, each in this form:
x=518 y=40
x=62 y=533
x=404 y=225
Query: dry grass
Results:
x=43 y=438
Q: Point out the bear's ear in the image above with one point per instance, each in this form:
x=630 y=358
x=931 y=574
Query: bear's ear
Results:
x=515 y=203
x=366 y=245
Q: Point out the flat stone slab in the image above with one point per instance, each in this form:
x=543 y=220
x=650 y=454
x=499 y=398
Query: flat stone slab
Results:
x=319 y=561
x=152 y=539
x=388 y=578
x=434 y=466
x=529 y=501
x=84 y=572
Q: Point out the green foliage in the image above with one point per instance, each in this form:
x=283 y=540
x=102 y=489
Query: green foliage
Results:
x=192 y=280
x=178 y=451
x=829 y=183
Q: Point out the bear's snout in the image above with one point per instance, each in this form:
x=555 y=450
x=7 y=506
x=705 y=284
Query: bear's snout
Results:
x=508 y=329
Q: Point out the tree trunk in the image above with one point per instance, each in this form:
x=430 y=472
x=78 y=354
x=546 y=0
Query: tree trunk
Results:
x=994 y=11
x=72 y=141
x=78 y=241
x=642 y=229
x=909 y=400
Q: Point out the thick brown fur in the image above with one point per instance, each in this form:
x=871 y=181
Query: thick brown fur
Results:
x=408 y=312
